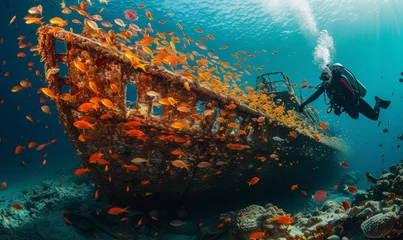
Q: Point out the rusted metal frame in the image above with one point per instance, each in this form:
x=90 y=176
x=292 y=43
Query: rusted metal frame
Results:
x=47 y=49
x=155 y=70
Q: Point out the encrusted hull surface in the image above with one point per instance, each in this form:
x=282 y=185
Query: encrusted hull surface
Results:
x=234 y=158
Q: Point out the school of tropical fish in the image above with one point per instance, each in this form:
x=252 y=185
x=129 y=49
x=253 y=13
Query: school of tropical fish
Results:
x=144 y=44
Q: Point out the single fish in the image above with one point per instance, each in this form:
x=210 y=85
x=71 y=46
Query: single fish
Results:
x=320 y=196
x=278 y=139
x=139 y=160
x=177 y=223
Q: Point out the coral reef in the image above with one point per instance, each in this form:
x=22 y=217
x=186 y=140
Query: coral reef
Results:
x=375 y=213
x=257 y=218
x=38 y=201
x=379 y=225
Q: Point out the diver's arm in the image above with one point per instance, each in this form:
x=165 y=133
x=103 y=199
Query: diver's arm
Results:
x=313 y=97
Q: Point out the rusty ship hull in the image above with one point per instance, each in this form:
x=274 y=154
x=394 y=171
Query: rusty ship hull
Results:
x=235 y=158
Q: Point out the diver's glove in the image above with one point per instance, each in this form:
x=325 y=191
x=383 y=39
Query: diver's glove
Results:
x=301 y=107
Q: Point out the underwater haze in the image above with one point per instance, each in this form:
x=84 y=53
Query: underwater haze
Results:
x=297 y=37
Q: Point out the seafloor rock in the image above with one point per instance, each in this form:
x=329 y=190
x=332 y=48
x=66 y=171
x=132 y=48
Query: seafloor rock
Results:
x=332 y=206
x=379 y=225
x=52 y=195
x=382 y=185
x=363 y=196
x=257 y=218
x=365 y=213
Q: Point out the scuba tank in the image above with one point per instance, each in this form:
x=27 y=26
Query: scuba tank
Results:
x=357 y=85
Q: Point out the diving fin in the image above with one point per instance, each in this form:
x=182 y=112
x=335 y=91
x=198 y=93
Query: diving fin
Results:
x=383 y=103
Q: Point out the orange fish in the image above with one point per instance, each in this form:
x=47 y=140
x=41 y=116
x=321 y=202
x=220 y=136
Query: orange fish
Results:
x=67 y=220
x=48 y=93
x=135 y=133
x=148 y=15
x=58 y=21
x=204 y=164
x=115 y=88
x=231 y=106
x=93 y=87
x=293 y=134
x=257 y=235
x=96 y=195
x=17 y=206
x=345 y=205
x=177 y=152
x=21 y=55
x=102 y=161
x=116 y=211
x=316 y=137
x=336 y=186
x=124 y=219
x=253 y=181
x=344 y=165
x=323 y=125
x=287 y=220
x=108 y=103
x=83 y=125
x=293 y=187
x=351 y=189
x=3 y=186
x=66 y=97
x=18 y=149
x=87 y=107
x=44 y=162
x=12 y=20
x=145 y=182
x=132 y=124
x=81 y=171
x=95 y=157
x=181 y=164
x=83 y=138
x=130 y=167
x=178 y=125
x=46 y=110
x=105 y=116
x=303 y=193
x=80 y=66
x=29 y=119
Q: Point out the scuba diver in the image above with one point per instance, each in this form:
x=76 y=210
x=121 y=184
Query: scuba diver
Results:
x=346 y=94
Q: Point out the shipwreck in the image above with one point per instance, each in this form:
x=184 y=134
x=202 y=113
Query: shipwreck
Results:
x=256 y=144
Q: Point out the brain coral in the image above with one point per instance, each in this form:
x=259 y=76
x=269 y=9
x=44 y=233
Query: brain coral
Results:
x=379 y=225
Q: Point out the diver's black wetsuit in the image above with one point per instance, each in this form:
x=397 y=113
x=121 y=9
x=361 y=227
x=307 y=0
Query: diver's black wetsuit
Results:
x=345 y=98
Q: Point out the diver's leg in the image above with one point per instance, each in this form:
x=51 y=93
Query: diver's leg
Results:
x=353 y=114
x=382 y=103
x=365 y=109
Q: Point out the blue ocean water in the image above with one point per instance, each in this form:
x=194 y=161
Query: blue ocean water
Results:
x=367 y=37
